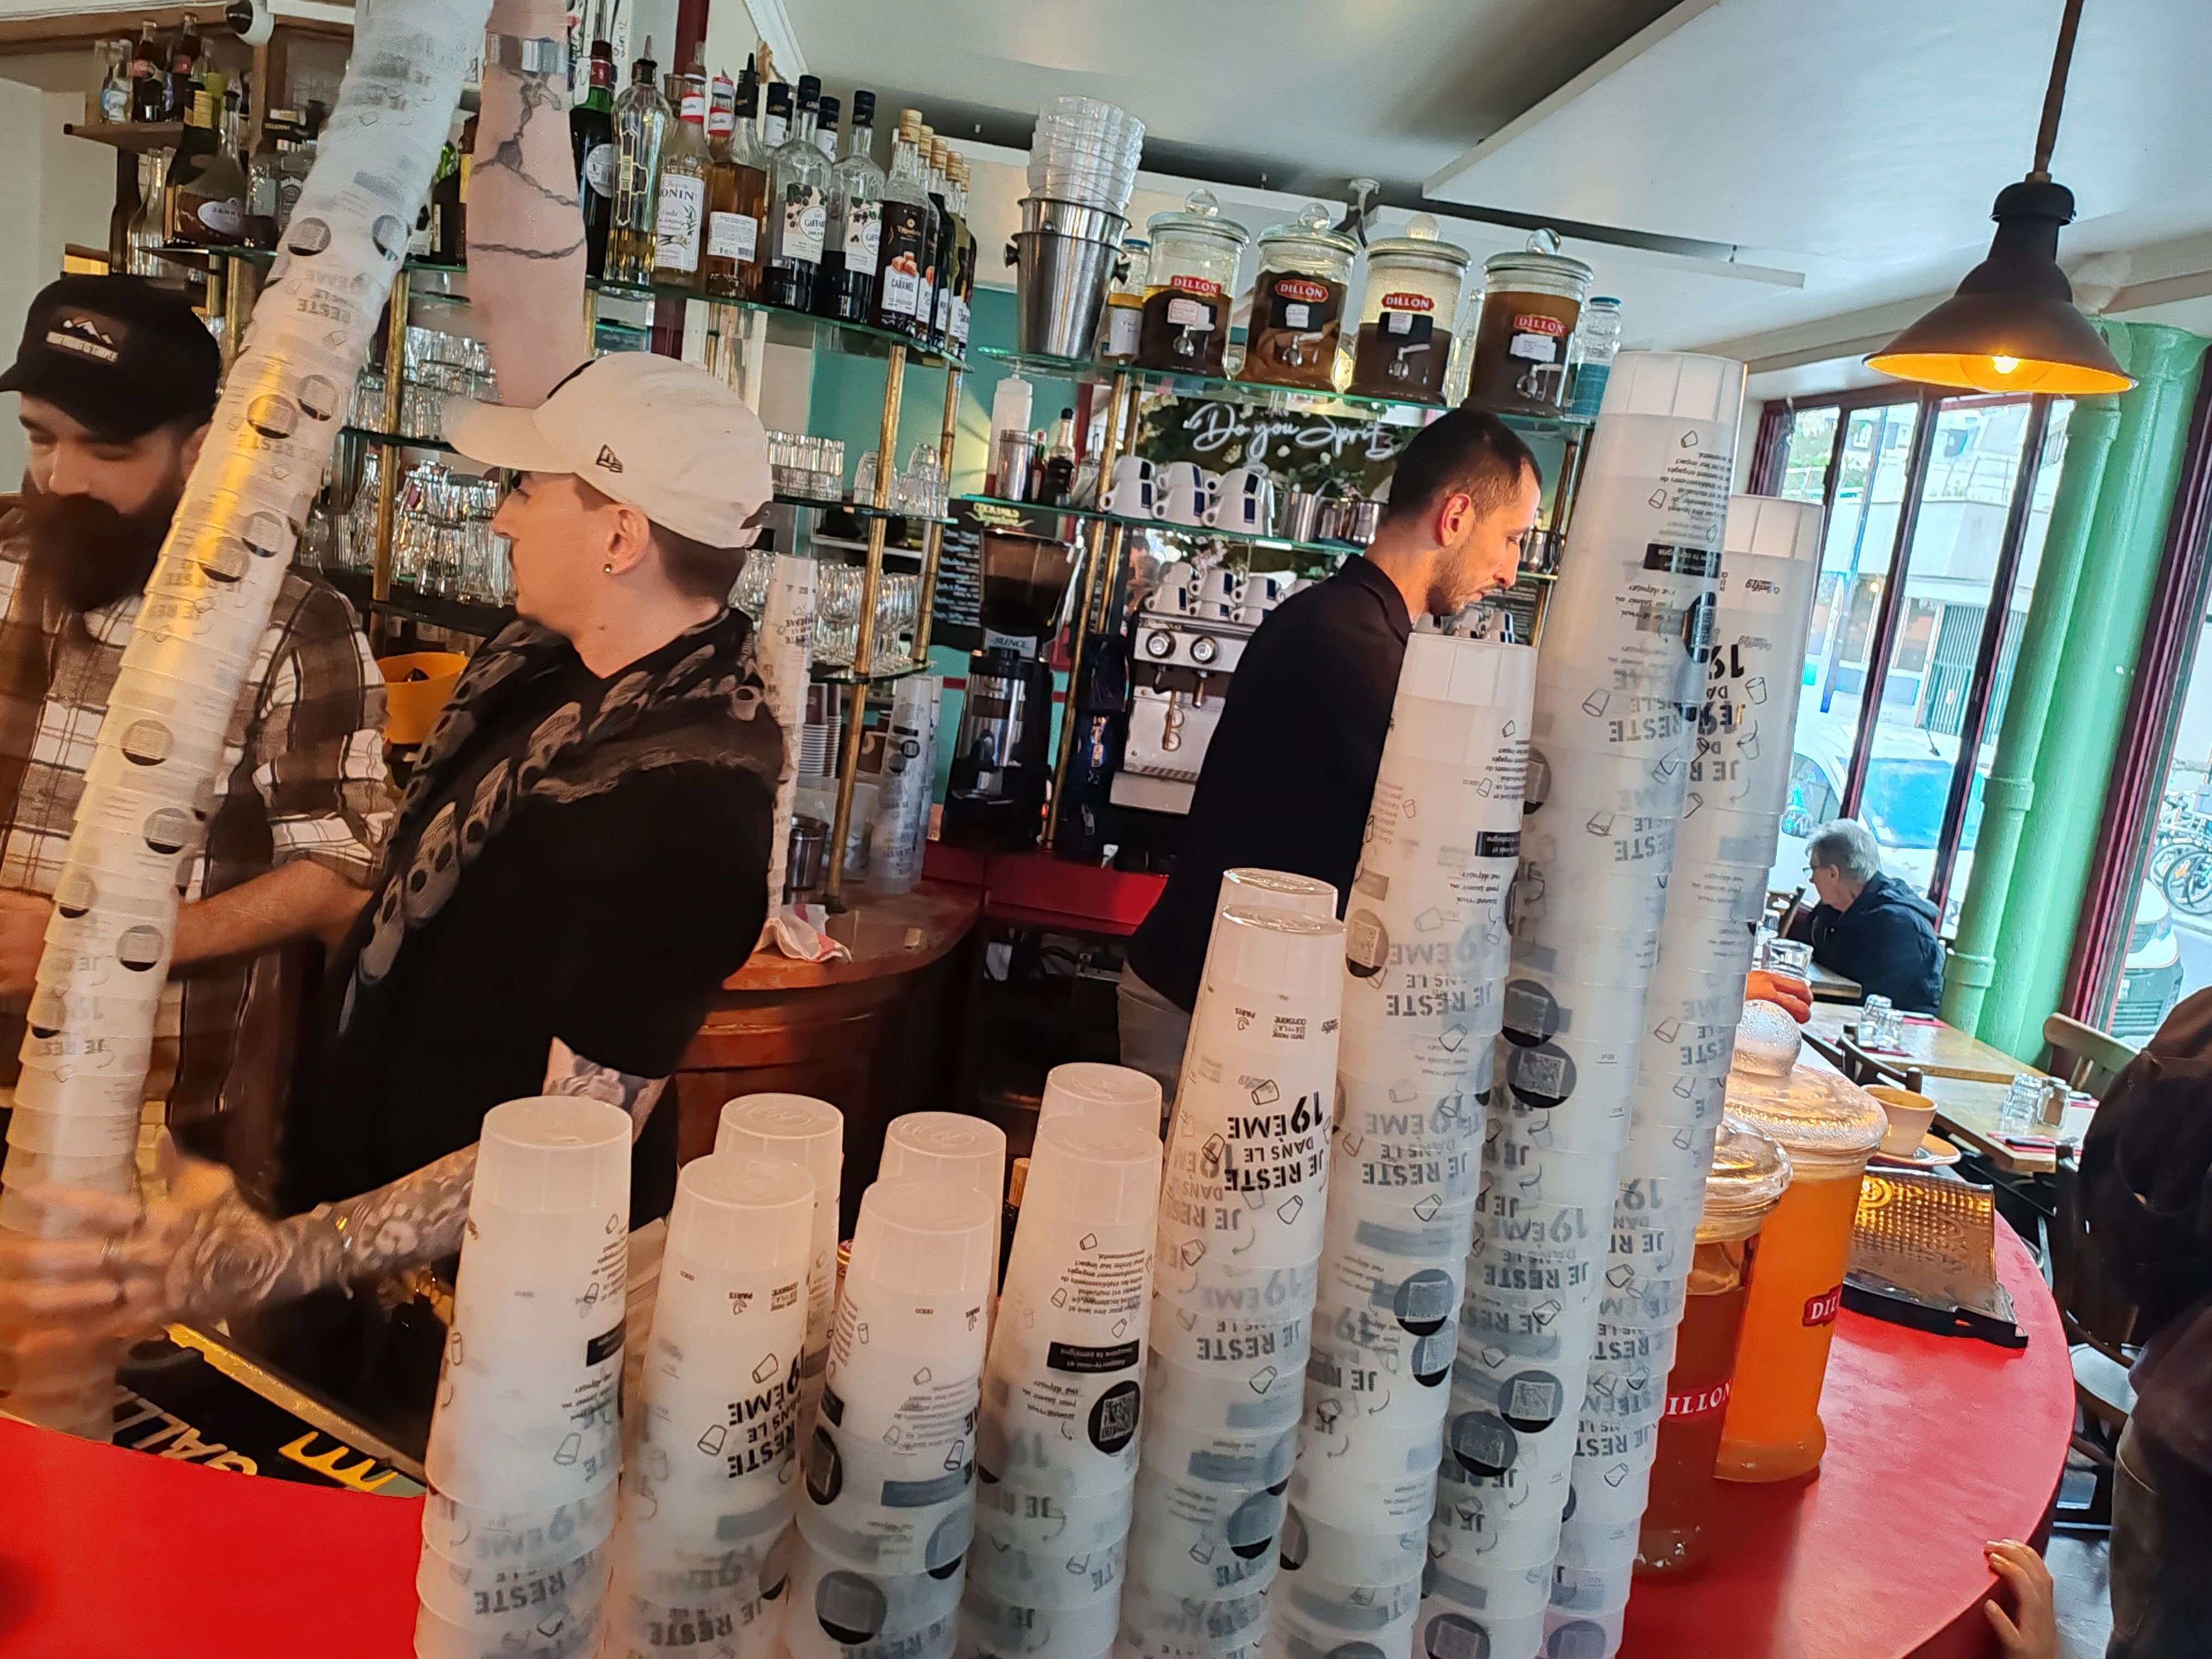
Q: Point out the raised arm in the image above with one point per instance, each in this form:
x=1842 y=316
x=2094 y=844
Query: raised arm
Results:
x=526 y=232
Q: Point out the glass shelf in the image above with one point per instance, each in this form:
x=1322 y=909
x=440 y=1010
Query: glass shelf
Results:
x=474 y=616
x=397 y=440
x=846 y=676
x=860 y=509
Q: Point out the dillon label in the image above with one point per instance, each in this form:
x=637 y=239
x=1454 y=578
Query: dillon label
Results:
x=1407 y=302
x=1701 y=1402
x=1193 y=285
x=1535 y=322
x=1821 y=1309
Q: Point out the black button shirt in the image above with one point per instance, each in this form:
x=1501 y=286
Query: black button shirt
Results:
x=1291 y=766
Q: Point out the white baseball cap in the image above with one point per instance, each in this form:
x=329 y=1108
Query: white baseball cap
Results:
x=663 y=436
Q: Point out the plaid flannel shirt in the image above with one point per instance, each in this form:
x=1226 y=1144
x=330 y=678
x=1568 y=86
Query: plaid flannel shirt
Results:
x=303 y=776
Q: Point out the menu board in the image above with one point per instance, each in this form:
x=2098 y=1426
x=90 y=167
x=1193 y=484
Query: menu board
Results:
x=957 y=607
x=1302 y=451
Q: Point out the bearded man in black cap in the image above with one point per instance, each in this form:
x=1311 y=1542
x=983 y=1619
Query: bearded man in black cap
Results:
x=117 y=380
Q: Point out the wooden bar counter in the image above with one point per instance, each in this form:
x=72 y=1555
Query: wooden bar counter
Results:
x=876 y=1036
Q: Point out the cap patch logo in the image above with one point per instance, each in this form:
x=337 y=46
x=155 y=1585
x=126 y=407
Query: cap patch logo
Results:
x=609 y=459
x=84 y=336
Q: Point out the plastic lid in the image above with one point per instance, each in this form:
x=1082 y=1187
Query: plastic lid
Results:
x=1277 y=953
x=1098 y=1168
x=1771 y=527
x=735 y=1210
x=1749 y=1174
x=1201 y=217
x=809 y=1132
x=1827 y=1125
x=1540 y=257
x=1255 y=889
x=948 y=1146
x=1422 y=240
x=1602 y=299
x=1313 y=225
x=1766 y=1040
x=554 y=1154
x=1084 y=1088
x=928 y=1237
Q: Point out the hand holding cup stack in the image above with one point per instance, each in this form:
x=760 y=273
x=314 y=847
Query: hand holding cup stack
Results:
x=1425 y=954
x=1238 y=1257
x=1619 y=684
x=526 y=1442
x=702 y=1545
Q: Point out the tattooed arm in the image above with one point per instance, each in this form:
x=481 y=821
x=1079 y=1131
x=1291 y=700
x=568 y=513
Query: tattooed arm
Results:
x=568 y=1073
x=526 y=233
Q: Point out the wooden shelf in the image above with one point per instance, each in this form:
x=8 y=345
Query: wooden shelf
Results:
x=134 y=135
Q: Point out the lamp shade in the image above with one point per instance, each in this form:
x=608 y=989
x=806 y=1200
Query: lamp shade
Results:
x=2013 y=325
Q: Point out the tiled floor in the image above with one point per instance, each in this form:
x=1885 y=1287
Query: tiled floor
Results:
x=2084 y=1606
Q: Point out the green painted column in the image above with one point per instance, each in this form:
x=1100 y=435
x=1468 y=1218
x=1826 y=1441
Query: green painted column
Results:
x=2096 y=675
x=2011 y=783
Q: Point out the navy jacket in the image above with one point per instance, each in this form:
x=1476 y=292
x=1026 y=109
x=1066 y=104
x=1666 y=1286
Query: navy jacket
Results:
x=1886 y=942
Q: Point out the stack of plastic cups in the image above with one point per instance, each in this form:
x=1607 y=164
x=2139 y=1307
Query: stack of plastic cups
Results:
x=1620 y=681
x=701 y=1554
x=1426 y=951
x=810 y=1133
x=1061 y=1393
x=901 y=831
x=1242 y=1214
x=1738 y=783
x=787 y=628
x=1085 y=151
x=888 y=1508
x=1083 y=1088
x=526 y=1442
x=956 y=1149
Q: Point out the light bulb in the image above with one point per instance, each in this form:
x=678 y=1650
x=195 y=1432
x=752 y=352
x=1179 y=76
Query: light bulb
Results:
x=2004 y=365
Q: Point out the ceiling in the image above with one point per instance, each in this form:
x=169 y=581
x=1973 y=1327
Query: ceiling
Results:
x=1844 y=157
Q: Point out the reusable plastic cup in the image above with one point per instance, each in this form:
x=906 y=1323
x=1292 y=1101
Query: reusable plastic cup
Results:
x=1081 y=1087
x=810 y=1133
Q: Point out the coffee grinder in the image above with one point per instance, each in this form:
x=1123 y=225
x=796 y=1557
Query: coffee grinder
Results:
x=1001 y=761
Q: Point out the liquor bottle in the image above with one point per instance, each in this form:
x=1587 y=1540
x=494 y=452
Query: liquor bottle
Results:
x=184 y=56
x=591 y=140
x=826 y=113
x=852 y=246
x=798 y=206
x=963 y=290
x=449 y=201
x=146 y=228
x=775 y=126
x=129 y=205
x=263 y=179
x=735 y=195
x=1060 y=461
x=680 y=215
x=908 y=232
x=940 y=265
x=115 y=87
x=211 y=211
x=181 y=197
x=642 y=120
x=149 y=86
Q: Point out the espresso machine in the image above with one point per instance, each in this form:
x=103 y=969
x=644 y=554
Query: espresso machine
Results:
x=1001 y=760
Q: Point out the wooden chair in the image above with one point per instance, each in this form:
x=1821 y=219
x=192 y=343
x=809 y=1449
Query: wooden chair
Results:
x=2086 y=1058
x=1781 y=908
x=2099 y=1323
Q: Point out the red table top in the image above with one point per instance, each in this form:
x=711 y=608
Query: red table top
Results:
x=1934 y=1445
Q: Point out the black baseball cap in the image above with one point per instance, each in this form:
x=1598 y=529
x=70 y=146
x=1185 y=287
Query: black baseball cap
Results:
x=120 y=355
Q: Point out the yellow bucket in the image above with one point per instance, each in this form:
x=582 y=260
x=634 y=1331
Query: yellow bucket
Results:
x=411 y=705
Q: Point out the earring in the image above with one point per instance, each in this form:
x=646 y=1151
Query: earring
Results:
x=609 y=567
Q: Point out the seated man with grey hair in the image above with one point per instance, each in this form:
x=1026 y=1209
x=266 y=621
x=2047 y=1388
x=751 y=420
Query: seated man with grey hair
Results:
x=1869 y=926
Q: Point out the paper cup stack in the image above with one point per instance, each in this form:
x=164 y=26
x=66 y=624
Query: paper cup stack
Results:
x=1238 y=1254
x=901 y=831
x=526 y=1443
x=888 y=1508
x=810 y=1133
x=1620 y=681
x=1738 y=784
x=702 y=1553
x=1062 y=1395
x=787 y=629
x=1426 y=955
x=207 y=603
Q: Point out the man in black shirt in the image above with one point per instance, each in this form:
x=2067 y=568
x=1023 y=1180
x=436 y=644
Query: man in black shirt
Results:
x=1291 y=766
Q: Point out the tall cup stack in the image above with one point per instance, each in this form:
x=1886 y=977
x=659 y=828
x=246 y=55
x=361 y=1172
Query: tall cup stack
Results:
x=1057 y=1462
x=810 y=1133
x=148 y=787
x=902 y=828
x=888 y=1508
x=526 y=1442
x=1238 y=1254
x=702 y=1552
x=787 y=629
x=1620 y=683
x=1425 y=957
x=1739 y=783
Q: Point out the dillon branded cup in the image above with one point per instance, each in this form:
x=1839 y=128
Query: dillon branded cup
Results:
x=1622 y=676
x=810 y=1133
x=526 y=1421
x=711 y=1484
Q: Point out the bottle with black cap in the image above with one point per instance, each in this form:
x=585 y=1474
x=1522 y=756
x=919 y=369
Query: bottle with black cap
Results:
x=846 y=288
x=799 y=207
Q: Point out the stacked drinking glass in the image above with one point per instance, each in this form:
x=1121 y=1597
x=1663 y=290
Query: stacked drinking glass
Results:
x=1425 y=953
x=1058 y=1439
x=890 y=1502
x=1238 y=1254
x=526 y=1442
x=1737 y=784
x=810 y=1133
x=1085 y=151
x=1620 y=682
x=702 y=1553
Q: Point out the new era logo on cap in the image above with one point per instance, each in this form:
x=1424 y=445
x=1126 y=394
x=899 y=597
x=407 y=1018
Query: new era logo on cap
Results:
x=697 y=457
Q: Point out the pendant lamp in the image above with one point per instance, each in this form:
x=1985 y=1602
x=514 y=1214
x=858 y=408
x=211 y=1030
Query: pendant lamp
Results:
x=2013 y=325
